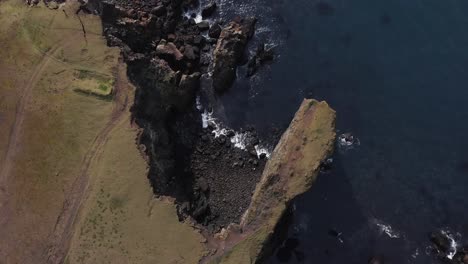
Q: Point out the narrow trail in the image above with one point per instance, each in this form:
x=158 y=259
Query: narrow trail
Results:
x=63 y=231
x=15 y=132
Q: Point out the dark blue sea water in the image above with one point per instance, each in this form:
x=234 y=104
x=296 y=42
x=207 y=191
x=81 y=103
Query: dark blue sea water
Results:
x=396 y=72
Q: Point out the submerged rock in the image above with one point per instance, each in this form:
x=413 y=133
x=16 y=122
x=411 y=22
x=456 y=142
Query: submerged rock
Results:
x=209 y=9
x=262 y=55
x=215 y=31
x=229 y=51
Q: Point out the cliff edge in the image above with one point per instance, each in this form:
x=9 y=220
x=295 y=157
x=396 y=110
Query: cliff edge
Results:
x=291 y=170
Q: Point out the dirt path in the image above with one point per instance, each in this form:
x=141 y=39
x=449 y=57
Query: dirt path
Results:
x=12 y=147
x=63 y=231
x=59 y=240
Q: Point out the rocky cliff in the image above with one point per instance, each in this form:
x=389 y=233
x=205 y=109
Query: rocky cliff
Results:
x=291 y=170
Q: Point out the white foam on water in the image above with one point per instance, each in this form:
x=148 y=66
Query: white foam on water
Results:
x=238 y=140
x=262 y=150
x=198 y=17
x=415 y=254
x=387 y=229
x=453 y=244
x=209 y=120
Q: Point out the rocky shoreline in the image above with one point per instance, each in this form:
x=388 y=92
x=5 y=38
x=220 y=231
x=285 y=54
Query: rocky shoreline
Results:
x=168 y=52
x=171 y=55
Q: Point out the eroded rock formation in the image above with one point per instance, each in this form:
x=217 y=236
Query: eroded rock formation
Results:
x=167 y=54
x=229 y=51
x=291 y=170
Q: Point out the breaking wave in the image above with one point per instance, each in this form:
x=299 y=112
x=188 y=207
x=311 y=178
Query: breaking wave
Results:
x=239 y=139
x=386 y=228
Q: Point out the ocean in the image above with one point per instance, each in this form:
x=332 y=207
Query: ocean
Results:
x=396 y=72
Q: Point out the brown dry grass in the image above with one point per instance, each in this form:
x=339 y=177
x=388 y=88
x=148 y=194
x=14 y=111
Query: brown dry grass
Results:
x=53 y=139
x=49 y=126
x=121 y=221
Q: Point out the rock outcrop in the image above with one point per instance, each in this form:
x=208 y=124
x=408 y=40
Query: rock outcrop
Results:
x=262 y=55
x=446 y=249
x=291 y=170
x=229 y=51
x=167 y=53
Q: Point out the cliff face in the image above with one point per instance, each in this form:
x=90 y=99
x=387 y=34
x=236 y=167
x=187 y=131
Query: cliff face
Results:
x=291 y=170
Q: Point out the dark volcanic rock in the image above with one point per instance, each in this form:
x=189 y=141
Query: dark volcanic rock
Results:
x=230 y=175
x=440 y=241
x=162 y=49
x=262 y=55
x=209 y=9
x=168 y=51
x=203 y=25
x=215 y=31
x=229 y=50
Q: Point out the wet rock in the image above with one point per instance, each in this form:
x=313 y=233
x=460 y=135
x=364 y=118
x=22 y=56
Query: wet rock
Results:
x=262 y=55
x=208 y=10
x=215 y=31
x=326 y=165
x=229 y=51
x=252 y=151
x=440 y=241
x=203 y=25
x=230 y=133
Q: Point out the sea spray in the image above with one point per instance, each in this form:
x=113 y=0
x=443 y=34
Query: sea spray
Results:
x=386 y=228
x=239 y=139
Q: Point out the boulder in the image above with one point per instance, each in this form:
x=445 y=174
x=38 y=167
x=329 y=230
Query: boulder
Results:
x=215 y=31
x=209 y=9
x=262 y=55
x=168 y=51
x=203 y=25
x=229 y=51
x=440 y=241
